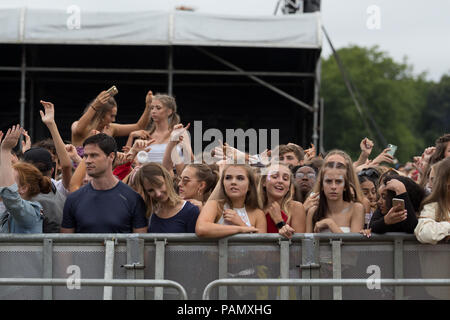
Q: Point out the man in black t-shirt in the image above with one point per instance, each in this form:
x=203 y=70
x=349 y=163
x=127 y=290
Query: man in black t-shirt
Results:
x=105 y=205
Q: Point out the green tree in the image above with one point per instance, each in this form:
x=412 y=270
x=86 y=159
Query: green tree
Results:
x=436 y=116
x=393 y=95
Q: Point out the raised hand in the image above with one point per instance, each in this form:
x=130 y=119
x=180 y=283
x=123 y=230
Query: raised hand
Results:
x=73 y=154
x=310 y=153
x=49 y=116
x=1 y=136
x=148 y=98
x=178 y=132
x=384 y=156
x=26 y=142
x=141 y=134
x=12 y=137
x=101 y=100
x=366 y=146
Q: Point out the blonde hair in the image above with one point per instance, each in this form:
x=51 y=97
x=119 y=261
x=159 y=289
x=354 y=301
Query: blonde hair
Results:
x=251 y=198
x=170 y=103
x=148 y=172
x=288 y=197
x=439 y=193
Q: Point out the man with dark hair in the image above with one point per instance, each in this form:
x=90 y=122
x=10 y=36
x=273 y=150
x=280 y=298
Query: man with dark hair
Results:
x=291 y=155
x=106 y=204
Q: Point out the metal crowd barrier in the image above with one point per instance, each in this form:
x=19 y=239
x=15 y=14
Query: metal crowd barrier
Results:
x=322 y=266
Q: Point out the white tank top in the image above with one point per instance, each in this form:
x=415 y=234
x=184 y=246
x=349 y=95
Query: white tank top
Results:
x=240 y=211
x=156 y=153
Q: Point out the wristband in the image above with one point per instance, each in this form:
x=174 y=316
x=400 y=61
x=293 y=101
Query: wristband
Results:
x=94 y=108
x=280 y=224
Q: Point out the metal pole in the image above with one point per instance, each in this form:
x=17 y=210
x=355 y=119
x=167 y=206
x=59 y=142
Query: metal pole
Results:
x=258 y=80
x=398 y=266
x=322 y=126
x=159 y=267
x=284 y=267
x=170 y=72
x=47 y=268
x=109 y=268
x=223 y=266
x=337 y=273
x=315 y=135
x=94 y=282
x=22 y=88
x=320 y=282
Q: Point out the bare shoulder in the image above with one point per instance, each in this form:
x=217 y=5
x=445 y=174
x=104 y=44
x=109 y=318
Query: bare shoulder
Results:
x=257 y=212
x=296 y=206
x=358 y=207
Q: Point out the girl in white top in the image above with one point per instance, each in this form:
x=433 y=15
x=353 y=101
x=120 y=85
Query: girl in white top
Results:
x=335 y=211
x=236 y=189
x=163 y=118
x=434 y=220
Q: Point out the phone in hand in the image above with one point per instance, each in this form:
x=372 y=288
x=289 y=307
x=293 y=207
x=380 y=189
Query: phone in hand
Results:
x=398 y=202
x=393 y=149
x=112 y=91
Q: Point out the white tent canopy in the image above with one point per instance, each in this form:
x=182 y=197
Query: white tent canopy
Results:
x=74 y=24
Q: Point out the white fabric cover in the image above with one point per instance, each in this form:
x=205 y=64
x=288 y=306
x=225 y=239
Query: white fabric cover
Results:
x=33 y=24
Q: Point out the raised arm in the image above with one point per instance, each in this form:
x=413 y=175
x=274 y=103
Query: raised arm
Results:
x=366 y=146
x=80 y=129
x=9 y=142
x=121 y=130
x=48 y=117
x=78 y=177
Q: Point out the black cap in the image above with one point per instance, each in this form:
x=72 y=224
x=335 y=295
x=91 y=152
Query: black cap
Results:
x=39 y=157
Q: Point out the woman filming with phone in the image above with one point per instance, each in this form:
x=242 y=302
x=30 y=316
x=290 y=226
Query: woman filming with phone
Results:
x=100 y=116
x=398 y=205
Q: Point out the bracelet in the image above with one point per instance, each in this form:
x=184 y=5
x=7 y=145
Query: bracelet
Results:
x=94 y=108
x=280 y=224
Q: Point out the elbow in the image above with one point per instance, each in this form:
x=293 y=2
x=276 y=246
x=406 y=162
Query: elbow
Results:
x=200 y=230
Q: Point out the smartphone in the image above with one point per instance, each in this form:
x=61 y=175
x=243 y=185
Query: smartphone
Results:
x=112 y=91
x=396 y=202
x=393 y=149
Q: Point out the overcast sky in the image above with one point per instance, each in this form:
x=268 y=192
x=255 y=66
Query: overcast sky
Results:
x=417 y=29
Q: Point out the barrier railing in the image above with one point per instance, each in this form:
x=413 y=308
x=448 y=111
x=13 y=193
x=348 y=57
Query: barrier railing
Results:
x=195 y=264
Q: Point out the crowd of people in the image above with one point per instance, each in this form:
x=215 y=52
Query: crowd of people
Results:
x=153 y=185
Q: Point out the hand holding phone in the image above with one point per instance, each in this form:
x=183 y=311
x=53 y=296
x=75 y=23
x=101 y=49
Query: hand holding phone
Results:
x=112 y=91
x=393 y=149
x=398 y=202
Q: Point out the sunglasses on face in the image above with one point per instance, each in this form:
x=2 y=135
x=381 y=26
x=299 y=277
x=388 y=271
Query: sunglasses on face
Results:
x=300 y=175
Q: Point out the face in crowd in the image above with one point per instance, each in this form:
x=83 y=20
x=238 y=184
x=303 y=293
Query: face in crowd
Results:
x=289 y=159
x=190 y=187
x=97 y=162
x=236 y=182
x=158 y=111
x=156 y=190
x=370 y=192
x=305 y=178
x=278 y=181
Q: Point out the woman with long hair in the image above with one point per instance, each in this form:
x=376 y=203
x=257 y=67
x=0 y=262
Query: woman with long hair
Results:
x=336 y=211
x=196 y=183
x=434 y=219
x=100 y=115
x=19 y=183
x=276 y=191
x=168 y=212
x=233 y=206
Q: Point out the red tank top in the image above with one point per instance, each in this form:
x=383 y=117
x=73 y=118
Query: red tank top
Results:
x=271 y=227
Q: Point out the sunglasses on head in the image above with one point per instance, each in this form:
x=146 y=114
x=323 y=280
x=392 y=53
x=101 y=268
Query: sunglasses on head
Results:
x=371 y=173
x=335 y=164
